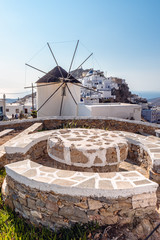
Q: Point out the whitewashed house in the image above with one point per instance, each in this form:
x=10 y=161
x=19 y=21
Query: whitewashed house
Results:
x=97 y=80
x=16 y=108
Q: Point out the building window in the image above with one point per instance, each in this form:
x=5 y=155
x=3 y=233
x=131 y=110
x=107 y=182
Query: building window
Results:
x=63 y=93
x=7 y=109
x=1 y=110
x=17 y=110
x=25 y=110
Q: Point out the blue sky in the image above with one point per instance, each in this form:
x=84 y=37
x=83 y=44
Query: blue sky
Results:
x=124 y=36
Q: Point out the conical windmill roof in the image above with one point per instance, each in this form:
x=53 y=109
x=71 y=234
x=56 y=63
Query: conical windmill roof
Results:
x=54 y=75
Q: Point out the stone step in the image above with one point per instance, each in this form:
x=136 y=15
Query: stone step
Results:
x=5 y=132
x=110 y=185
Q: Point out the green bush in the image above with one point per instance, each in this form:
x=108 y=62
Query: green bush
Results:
x=34 y=114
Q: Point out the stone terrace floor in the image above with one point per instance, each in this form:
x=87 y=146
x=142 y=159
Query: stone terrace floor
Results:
x=128 y=165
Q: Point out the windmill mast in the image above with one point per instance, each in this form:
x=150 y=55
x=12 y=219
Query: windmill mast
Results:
x=32 y=98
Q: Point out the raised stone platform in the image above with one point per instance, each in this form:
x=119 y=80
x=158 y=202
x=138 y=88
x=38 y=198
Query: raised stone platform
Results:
x=88 y=147
x=57 y=198
x=110 y=185
x=145 y=149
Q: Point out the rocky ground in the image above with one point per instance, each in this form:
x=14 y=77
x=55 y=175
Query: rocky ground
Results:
x=139 y=232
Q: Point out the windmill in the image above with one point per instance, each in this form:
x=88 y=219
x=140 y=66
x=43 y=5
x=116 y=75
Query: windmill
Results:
x=61 y=87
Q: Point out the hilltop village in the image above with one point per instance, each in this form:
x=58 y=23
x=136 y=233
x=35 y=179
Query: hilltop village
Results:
x=111 y=93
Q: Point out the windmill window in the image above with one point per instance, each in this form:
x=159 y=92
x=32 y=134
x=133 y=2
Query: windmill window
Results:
x=63 y=91
x=7 y=109
x=17 y=110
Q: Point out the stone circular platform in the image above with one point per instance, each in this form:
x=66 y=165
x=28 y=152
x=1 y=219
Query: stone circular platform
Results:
x=88 y=148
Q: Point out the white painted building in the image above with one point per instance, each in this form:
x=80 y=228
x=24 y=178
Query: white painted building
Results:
x=151 y=115
x=117 y=110
x=97 y=80
x=16 y=108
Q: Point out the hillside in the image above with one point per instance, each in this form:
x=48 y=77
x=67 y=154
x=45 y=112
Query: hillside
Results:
x=80 y=72
x=155 y=102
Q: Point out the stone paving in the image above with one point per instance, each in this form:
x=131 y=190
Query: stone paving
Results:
x=110 y=185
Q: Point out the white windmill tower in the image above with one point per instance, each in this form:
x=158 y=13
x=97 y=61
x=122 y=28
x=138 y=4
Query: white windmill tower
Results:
x=58 y=92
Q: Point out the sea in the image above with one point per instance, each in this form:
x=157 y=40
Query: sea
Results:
x=147 y=95
x=11 y=100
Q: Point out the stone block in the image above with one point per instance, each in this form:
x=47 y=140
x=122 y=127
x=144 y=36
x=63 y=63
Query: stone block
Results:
x=82 y=204
x=20 y=188
x=143 y=196
x=40 y=203
x=9 y=203
x=26 y=212
x=73 y=213
x=124 y=221
x=15 y=196
x=97 y=160
x=31 y=203
x=17 y=205
x=30 y=173
x=103 y=212
x=36 y=214
x=120 y=206
x=93 y=204
x=10 y=182
x=129 y=213
x=22 y=201
x=109 y=220
x=144 y=203
x=68 y=198
x=52 y=206
x=22 y=195
x=111 y=155
x=77 y=156
x=154 y=176
x=88 y=183
x=141 y=212
x=123 y=151
x=105 y=184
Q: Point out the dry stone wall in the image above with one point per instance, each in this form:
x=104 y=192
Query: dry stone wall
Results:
x=58 y=210
x=100 y=122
